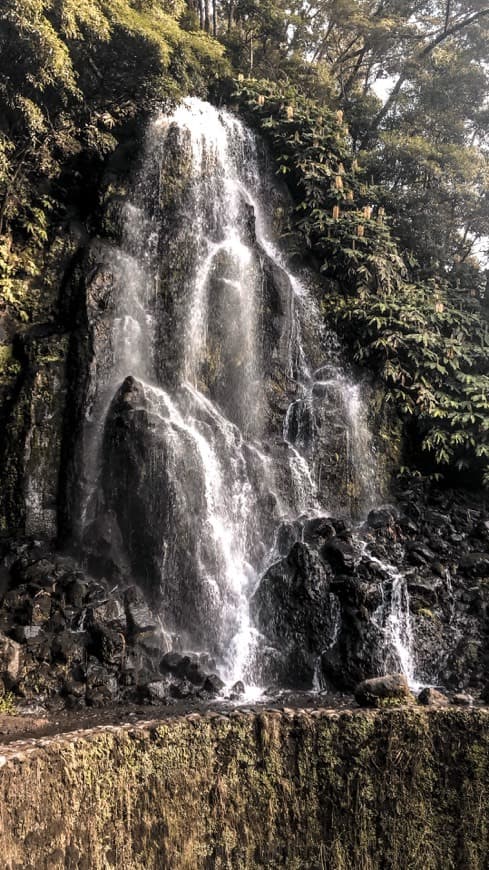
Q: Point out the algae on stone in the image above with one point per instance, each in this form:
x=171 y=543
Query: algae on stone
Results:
x=394 y=789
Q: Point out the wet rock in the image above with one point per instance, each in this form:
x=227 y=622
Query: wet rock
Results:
x=425 y=589
x=104 y=541
x=108 y=644
x=110 y=613
x=237 y=691
x=340 y=554
x=383 y=691
x=155 y=493
x=318 y=529
x=11 y=660
x=287 y=535
x=32 y=454
x=41 y=608
x=213 y=685
x=17 y=606
x=185 y=667
x=101 y=686
x=419 y=553
x=23 y=633
x=157 y=690
x=430 y=697
x=436 y=518
x=75 y=591
x=461 y=699
x=182 y=689
x=439 y=569
x=485 y=692
x=139 y=616
x=171 y=662
x=74 y=688
x=42 y=571
x=295 y=611
x=196 y=674
x=475 y=564
x=70 y=647
x=382 y=517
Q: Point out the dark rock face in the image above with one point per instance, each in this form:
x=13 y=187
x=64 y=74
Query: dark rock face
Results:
x=67 y=638
x=435 y=544
x=156 y=493
x=295 y=611
x=31 y=445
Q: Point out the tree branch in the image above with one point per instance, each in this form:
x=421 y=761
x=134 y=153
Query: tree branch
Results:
x=424 y=53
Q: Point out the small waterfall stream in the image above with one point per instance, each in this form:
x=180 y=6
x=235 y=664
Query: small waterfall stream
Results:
x=222 y=399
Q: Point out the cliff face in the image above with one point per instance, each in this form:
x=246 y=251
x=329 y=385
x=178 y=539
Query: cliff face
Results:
x=396 y=789
x=326 y=596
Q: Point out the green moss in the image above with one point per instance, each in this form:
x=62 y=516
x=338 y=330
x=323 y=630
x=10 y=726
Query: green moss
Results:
x=425 y=613
x=399 y=789
x=9 y=366
x=7 y=704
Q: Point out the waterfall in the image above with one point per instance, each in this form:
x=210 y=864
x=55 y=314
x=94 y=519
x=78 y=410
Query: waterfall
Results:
x=220 y=409
x=393 y=617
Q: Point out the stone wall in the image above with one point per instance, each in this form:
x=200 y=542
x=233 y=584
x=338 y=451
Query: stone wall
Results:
x=398 y=789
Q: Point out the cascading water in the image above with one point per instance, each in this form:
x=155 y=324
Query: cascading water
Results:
x=393 y=617
x=204 y=429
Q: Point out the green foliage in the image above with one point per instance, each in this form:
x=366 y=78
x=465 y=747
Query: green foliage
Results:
x=427 y=341
x=425 y=141
x=7 y=704
x=73 y=74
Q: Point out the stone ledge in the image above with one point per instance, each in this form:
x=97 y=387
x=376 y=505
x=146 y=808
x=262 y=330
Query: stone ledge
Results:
x=294 y=788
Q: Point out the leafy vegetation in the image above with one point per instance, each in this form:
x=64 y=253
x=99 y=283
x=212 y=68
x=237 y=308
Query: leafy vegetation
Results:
x=377 y=116
x=73 y=74
x=427 y=340
x=7 y=704
x=413 y=78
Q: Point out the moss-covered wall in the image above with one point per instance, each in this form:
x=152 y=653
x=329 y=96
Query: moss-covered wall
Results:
x=404 y=788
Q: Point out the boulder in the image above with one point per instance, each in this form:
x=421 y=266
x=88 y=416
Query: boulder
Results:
x=390 y=689
x=462 y=699
x=318 y=529
x=101 y=686
x=419 y=553
x=139 y=616
x=111 y=613
x=425 y=589
x=430 y=697
x=108 y=645
x=11 y=660
x=70 y=647
x=383 y=516
x=295 y=611
x=157 y=690
x=213 y=685
x=237 y=691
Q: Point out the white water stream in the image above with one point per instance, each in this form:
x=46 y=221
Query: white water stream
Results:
x=212 y=416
